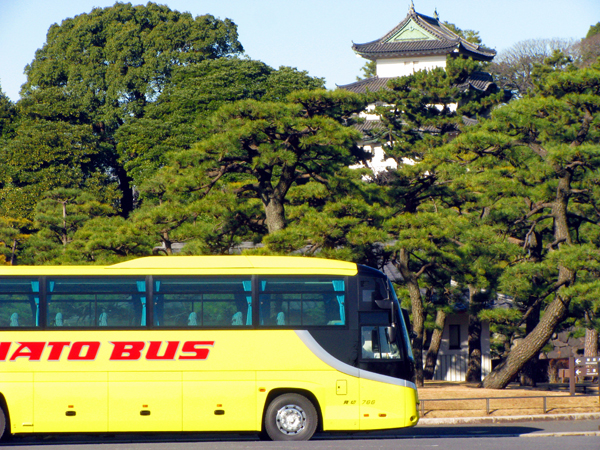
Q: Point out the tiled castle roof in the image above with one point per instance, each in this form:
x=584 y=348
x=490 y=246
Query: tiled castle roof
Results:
x=440 y=40
x=481 y=81
x=373 y=84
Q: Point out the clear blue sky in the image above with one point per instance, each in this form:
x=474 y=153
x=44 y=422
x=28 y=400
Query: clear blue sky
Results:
x=312 y=35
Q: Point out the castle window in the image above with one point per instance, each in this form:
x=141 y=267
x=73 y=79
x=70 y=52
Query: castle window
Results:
x=454 y=337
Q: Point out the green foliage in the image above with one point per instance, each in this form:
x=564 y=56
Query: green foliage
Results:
x=428 y=107
x=8 y=114
x=96 y=72
x=503 y=329
x=45 y=155
x=13 y=234
x=124 y=56
x=286 y=80
x=181 y=114
x=593 y=31
x=337 y=220
x=224 y=150
x=268 y=147
x=58 y=216
x=108 y=240
x=369 y=70
x=468 y=35
x=434 y=227
x=545 y=146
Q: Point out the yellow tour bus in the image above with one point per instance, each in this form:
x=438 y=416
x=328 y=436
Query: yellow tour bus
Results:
x=281 y=346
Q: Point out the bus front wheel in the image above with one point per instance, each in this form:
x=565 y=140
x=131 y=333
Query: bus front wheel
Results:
x=291 y=417
x=4 y=434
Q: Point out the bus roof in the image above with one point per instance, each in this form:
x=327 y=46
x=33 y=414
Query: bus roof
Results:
x=199 y=265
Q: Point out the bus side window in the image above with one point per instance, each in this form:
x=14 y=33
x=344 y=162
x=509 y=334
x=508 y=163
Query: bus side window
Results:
x=376 y=343
x=96 y=302
x=302 y=301
x=369 y=342
x=202 y=301
x=272 y=309
x=372 y=289
x=19 y=302
x=237 y=319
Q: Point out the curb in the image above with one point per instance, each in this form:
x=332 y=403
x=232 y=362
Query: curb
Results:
x=506 y=419
x=568 y=434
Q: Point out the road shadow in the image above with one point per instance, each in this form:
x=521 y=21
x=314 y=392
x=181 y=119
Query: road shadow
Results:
x=446 y=431
x=149 y=438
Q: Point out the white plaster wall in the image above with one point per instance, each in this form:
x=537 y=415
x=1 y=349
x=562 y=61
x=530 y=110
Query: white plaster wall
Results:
x=378 y=163
x=369 y=113
x=463 y=321
x=452 y=364
x=486 y=356
x=399 y=67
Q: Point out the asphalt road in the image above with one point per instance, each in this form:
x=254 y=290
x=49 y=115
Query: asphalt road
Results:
x=547 y=435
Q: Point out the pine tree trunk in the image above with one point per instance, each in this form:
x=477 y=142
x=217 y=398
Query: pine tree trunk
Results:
x=13 y=253
x=64 y=236
x=556 y=310
x=434 y=346
x=591 y=342
x=473 y=374
x=529 y=347
x=528 y=374
x=275 y=215
x=418 y=312
x=474 y=368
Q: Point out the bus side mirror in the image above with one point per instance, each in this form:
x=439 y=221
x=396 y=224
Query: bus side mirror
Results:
x=384 y=304
x=391 y=331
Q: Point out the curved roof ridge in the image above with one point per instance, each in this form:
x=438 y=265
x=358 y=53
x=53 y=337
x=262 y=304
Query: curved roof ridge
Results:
x=441 y=39
x=429 y=23
x=393 y=31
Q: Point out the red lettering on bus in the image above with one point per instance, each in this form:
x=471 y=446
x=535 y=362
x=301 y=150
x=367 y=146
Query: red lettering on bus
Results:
x=34 y=353
x=122 y=351
x=155 y=346
x=57 y=348
x=4 y=347
x=90 y=354
x=127 y=350
x=199 y=353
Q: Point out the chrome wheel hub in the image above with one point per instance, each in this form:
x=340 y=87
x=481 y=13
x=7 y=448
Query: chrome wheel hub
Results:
x=291 y=419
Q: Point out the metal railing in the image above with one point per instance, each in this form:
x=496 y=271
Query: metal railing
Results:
x=488 y=399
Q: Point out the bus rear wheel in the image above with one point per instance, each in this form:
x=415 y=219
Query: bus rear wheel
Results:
x=291 y=417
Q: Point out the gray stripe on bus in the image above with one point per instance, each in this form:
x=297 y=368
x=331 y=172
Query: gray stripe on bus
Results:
x=330 y=360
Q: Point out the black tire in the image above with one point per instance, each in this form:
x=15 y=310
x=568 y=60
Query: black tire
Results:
x=291 y=417
x=4 y=435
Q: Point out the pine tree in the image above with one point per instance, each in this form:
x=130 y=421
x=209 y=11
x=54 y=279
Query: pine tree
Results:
x=265 y=148
x=180 y=116
x=58 y=216
x=535 y=164
x=430 y=218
